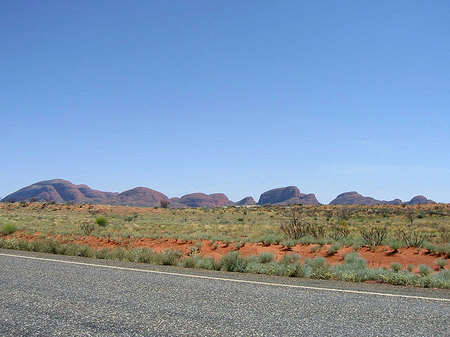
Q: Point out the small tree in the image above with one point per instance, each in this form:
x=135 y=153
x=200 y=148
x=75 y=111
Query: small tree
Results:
x=164 y=203
x=87 y=228
x=411 y=215
x=374 y=236
x=295 y=228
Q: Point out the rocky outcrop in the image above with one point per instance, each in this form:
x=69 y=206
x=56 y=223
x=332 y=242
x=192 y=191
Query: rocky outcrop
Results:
x=419 y=200
x=221 y=200
x=194 y=200
x=201 y=200
x=138 y=196
x=247 y=201
x=354 y=198
x=289 y=195
x=59 y=190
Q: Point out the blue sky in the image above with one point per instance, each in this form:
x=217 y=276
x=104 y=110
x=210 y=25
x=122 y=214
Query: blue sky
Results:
x=227 y=96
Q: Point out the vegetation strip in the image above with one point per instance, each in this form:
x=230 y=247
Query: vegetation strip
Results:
x=229 y=280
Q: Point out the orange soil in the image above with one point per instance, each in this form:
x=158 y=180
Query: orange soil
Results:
x=382 y=256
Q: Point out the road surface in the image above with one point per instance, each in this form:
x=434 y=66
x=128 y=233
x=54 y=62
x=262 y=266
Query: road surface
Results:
x=48 y=295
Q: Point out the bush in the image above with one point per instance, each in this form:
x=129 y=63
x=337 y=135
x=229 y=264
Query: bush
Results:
x=396 y=266
x=413 y=238
x=266 y=257
x=87 y=228
x=395 y=245
x=341 y=231
x=374 y=236
x=101 y=253
x=296 y=228
x=8 y=229
x=333 y=249
x=424 y=270
x=441 y=263
x=233 y=262
x=440 y=280
x=270 y=239
x=101 y=221
x=320 y=269
x=401 y=278
x=354 y=269
x=170 y=257
x=444 y=235
x=164 y=203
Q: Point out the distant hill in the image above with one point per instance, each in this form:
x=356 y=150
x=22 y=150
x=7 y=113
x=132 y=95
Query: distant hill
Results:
x=247 y=201
x=138 y=196
x=201 y=200
x=60 y=190
x=354 y=198
x=419 y=200
x=289 y=195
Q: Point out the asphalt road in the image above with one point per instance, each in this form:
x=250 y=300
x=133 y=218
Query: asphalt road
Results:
x=49 y=298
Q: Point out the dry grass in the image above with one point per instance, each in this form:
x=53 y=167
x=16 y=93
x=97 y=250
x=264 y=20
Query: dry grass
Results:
x=227 y=224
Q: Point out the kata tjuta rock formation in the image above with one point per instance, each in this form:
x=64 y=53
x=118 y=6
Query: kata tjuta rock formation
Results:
x=60 y=190
x=247 y=201
x=201 y=200
x=354 y=198
x=289 y=195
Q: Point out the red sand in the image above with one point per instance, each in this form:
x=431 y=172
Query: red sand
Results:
x=382 y=256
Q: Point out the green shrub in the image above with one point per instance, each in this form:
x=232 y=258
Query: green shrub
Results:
x=101 y=221
x=424 y=270
x=116 y=254
x=270 y=239
x=239 y=245
x=233 y=262
x=320 y=269
x=431 y=248
x=440 y=280
x=396 y=266
x=170 y=257
x=401 y=278
x=288 y=243
x=8 y=229
x=314 y=249
x=444 y=235
x=354 y=269
x=290 y=259
x=101 y=253
x=334 y=248
x=441 y=263
x=395 y=245
x=205 y=263
x=307 y=240
x=189 y=262
x=266 y=257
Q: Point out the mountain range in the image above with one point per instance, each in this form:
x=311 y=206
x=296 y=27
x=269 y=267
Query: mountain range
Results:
x=59 y=190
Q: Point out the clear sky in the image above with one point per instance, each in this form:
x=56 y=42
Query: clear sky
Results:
x=227 y=96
